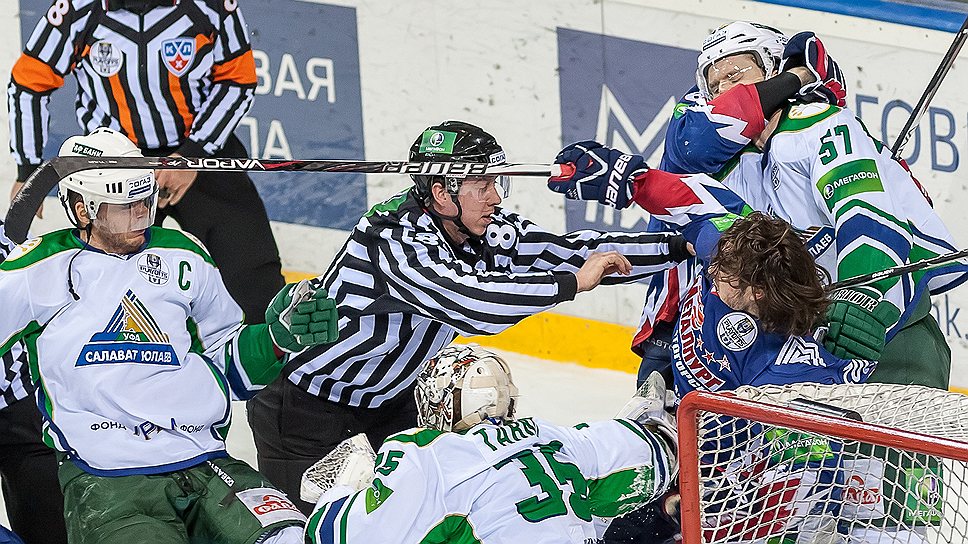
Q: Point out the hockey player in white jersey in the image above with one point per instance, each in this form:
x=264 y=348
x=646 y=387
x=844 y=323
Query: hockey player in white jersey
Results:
x=137 y=350
x=473 y=472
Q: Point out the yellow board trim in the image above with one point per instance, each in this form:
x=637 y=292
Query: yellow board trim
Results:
x=564 y=338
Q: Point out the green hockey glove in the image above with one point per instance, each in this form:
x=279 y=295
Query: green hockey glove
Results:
x=858 y=323
x=301 y=315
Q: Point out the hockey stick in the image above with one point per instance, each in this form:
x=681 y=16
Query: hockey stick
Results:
x=899 y=270
x=39 y=184
x=946 y=62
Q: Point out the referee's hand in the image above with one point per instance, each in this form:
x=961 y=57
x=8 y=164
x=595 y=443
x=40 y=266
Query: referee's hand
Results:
x=601 y=264
x=173 y=184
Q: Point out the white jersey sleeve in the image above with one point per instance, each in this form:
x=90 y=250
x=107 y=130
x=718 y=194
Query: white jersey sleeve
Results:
x=624 y=464
x=27 y=307
x=244 y=354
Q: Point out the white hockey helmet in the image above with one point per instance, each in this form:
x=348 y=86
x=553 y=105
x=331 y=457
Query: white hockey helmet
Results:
x=763 y=42
x=462 y=386
x=120 y=189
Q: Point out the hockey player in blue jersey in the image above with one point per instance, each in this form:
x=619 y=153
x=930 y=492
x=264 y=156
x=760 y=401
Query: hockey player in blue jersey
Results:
x=756 y=293
x=851 y=228
x=746 y=318
x=739 y=84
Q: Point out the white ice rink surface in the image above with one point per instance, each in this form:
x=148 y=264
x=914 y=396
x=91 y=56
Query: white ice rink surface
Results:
x=558 y=392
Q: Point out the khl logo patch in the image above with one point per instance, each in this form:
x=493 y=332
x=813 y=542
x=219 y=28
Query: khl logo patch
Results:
x=178 y=54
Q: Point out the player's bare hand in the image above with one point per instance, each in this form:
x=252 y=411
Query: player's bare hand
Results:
x=599 y=265
x=172 y=185
x=17 y=185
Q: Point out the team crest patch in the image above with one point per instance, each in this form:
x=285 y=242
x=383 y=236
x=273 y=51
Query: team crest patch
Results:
x=178 y=54
x=24 y=248
x=131 y=336
x=106 y=58
x=153 y=269
x=269 y=506
x=736 y=331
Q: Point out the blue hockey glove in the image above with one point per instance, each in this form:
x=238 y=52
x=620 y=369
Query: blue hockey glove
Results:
x=858 y=323
x=301 y=316
x=805 y=49
x=601 y=174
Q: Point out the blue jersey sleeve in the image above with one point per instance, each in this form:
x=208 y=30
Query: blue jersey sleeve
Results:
x=703 y=136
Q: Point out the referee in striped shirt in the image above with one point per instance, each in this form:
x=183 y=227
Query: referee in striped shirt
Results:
x=435 y=261
x=176 y=77
x=28 y=468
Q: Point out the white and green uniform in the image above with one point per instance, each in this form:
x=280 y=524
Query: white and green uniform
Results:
x=523 y=481
x=823 y=169
x=136 y=357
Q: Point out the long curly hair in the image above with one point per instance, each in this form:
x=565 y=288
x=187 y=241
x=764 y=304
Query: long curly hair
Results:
x=765 y=254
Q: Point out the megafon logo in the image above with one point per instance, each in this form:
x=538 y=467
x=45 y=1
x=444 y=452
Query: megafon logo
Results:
x=625 y=103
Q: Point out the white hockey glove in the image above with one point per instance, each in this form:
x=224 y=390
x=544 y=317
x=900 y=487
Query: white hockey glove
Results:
x=648 y=407
x=350 y=465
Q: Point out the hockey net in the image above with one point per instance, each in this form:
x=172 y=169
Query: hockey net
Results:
x=754 y=469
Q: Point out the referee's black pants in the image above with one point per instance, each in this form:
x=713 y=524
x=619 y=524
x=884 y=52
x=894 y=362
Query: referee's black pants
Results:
x=31 y=493
x=225 y=212
x=293 y=430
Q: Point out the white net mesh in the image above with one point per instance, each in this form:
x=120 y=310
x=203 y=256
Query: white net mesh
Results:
x=764 y=483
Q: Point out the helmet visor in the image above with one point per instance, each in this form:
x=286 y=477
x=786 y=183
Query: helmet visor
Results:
x=129 y=217
x=483 y=188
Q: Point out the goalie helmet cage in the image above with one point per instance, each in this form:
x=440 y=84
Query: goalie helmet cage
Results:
x=754 y=470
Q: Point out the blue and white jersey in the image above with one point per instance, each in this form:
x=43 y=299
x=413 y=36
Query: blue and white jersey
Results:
x=718 y=348
x=706 y=138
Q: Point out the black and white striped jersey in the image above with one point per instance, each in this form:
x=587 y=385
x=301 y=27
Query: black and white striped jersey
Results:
x=15 y=381
x=403 y=292
x=176 y=76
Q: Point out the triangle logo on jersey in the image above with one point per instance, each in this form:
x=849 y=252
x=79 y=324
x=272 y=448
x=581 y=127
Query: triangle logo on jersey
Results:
x=131 y=336
x=178 y=54
x=796 y=350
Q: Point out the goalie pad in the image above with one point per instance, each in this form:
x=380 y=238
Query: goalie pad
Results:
x=648 y=408
x=349 y=465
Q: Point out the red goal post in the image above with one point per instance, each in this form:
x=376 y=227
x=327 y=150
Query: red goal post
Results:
x=736 y=474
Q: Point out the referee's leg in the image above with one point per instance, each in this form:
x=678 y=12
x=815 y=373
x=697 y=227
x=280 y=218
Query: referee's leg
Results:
x=31 y=492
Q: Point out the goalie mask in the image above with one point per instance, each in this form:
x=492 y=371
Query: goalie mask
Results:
x=116 y=200
x=764 y=43
x=463 y=386
x=456 y=141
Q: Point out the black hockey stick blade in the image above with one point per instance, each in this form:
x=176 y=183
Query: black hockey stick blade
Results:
x=26 y=203
x=39 y=184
